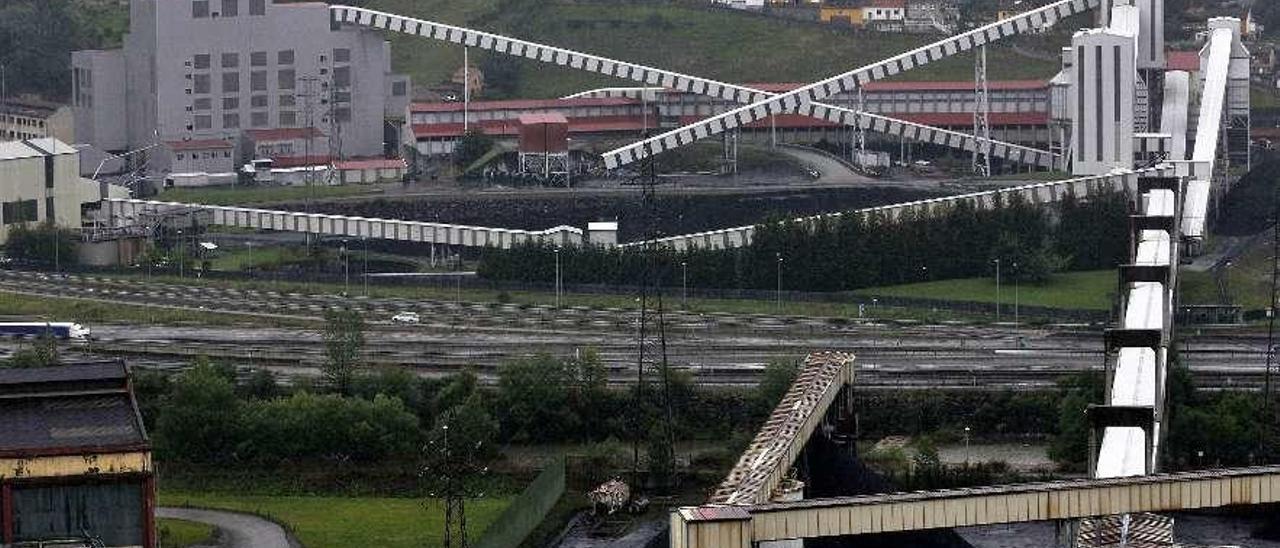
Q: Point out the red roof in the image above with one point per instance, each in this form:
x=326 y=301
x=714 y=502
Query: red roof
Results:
x=1188 y=61
x=283 y=134
x=371 y=163
x=299 y=161
x=937 y=119
x=552 y=118
x=199 y=144
x=523 y=104
x=957 y=85
x=589 y=124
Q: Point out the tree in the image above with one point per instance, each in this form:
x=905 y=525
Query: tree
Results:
x=502 y=75
x=43 y=353
x=201 y=418
x=534 y=398
x=44 y=243
x=777 y=379
x=343 y=343
x=470 y=148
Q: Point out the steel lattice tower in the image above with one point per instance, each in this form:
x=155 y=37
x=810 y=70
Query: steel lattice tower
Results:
x=981 y=116
x=651 y=337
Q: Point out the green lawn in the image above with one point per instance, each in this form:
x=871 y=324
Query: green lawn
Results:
x=1262 y=97
x=179 y=533
x=266 y=194
x=1090 y=290
x=91 y=312
x=719 y=44
x=343 y=522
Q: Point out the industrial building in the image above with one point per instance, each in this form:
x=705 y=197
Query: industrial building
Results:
x=205 y=70
x=75 y=459
x=32 y=118
x=42 y=183
x=1020 y=113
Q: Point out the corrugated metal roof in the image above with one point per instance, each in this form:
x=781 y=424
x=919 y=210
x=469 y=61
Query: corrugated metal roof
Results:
x=199 y=144
x=53 y=410
x=371 y=163
x=547 y=118
x=523 y=104
x=33 y=148
x=281 y=134
x=1188 y=61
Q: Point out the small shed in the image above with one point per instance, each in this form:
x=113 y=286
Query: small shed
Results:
x=544 y=134
x=75 y=460
x=371 y=170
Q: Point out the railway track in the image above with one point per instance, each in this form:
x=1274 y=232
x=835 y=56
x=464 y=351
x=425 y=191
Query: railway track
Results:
x=717 y=348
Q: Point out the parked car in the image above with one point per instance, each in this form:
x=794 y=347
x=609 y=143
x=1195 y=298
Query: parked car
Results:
x=406 y=317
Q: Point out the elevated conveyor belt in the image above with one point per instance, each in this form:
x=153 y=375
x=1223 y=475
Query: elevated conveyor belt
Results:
x=805 y=100
x=666 y=79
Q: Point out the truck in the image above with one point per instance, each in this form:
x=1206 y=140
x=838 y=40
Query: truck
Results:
x=57 y=330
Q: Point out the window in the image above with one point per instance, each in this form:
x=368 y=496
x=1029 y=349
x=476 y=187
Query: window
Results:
x=258 y=119
x=285 y=57
x=288 y=100
x=286 y=79
x=230 y=103
x=204 y=121
x=19 y=212
x=203 y=103
x=231 y=82
x=257 y=7
x=398 y=89
x=230 y=60
x=230 y=8
x=231 y=121
x=341 y=55
x=201 y=61
x=342 y=77
x=258 y=58
x=258 y=101
x=258 y=80
x=288 y=118
x=179 y=156
x=199 y=8
x=343 y=114
x=202 y=83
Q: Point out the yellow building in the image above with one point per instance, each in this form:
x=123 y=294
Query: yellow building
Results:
x=841 y=14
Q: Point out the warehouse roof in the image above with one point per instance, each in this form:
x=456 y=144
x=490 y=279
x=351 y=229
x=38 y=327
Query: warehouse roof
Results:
x=68 y=409
x=33 y=148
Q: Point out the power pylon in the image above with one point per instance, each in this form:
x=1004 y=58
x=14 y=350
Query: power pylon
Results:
x=981 y=116
x=651 y=347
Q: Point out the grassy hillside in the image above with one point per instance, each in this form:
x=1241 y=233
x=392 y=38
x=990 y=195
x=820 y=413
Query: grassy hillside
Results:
x=720 y=44
x=1089 y=290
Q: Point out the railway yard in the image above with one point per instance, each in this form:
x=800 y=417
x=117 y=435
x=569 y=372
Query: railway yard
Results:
x=716 y=348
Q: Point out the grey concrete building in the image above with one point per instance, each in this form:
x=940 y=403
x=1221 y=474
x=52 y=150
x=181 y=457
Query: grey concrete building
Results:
x=209 y=69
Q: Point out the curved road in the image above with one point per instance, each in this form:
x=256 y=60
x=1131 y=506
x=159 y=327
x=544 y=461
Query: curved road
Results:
x=239 y=530
x=832 y=171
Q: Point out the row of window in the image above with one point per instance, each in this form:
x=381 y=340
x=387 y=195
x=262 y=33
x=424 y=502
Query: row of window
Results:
x=233 y=103
x=21 y=121
x=22 y=211
x=202 y=84
x=203 y=61
x=205 y=155
x=201 y=9
x=259 y=120
x=19 y=135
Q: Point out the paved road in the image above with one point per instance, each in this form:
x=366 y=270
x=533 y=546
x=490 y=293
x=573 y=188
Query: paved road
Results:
x=833 y=172
x=240 y=530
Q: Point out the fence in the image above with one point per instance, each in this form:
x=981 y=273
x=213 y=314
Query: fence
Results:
x=527 y=510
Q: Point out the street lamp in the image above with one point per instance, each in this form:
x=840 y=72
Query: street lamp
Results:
x=182 y=257
x=924 y=273
x=557 y=250
x=966 y=446
x=684 y=284
x=779 y=295
x=997 y=261
x=365 y=241
x=346 y=270
x=1015 y=295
